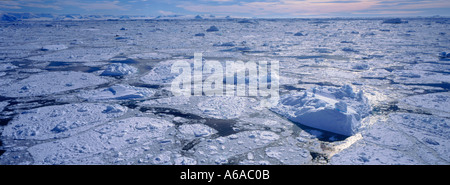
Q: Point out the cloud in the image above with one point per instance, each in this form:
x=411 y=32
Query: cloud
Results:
x=387 y=12
x=10 y=5
x=26 y=3
x=100 y=5
x=290 y=7
x=162 y=12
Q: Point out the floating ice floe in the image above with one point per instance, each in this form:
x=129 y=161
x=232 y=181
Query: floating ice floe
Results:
x=7 y=66
x=338 y=110
x=53 y=47
x=212 y=28
x=119 y=69
x=184 y=161
x=291 y=155
x=394 y=21
x=151 y=56
x=78 y=55
x=49 y=83
x=404 y=138
x=299 y=34
x=161 y=74
x=135 y=136
x=360 y=66
x=3 y=104
x=220 y=44
x=436 y=103
x=117 y=92
x=246 y=21
x=223 y=107
x=60 y=121
x=191 y=131
x=219 y=150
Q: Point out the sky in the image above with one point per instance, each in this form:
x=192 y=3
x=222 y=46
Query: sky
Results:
x=245 y=8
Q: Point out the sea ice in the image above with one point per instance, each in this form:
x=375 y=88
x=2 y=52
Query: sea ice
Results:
x=219 y=150
x=394 y=21
x=212 y=28
x=331 y=109
x=46 y=83
x=223 y=107
x=299 y=34
x=404 y=138
x=151 y=56
x=60 y=121
x=184 y=161
x=291 y=155
x=161 y=74
x=54 y=47
x=78 y=55
x=7 y=66
x=191 y=131
x=91 y=147
x=3 y=104
x=435 y=103
x=119 y=69
x=117 y=92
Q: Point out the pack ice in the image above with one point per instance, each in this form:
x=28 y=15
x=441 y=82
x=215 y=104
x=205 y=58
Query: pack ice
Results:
x=337 y=110
x=60 y=121
x=45 y=83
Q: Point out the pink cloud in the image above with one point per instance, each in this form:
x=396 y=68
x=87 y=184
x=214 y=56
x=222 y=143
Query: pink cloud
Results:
x=103 y=5
x=310 y=7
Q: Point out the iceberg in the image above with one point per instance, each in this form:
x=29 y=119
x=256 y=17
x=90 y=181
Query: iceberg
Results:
x=299 y=34
x=394 y=21
x=337 y=110
x=212 y=28
x=118 y=92
x=119 y=69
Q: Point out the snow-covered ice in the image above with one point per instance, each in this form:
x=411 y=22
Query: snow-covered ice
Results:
x=117 y=92
x=191 y=131
x=226 y=107
x=60 y=121
x=53 y=47
x=89 y=147
x=119 y=69
x=47 y=83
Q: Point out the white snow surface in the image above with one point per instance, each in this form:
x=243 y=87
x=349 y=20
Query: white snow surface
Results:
x=89 y=147
x=223 y=107
x=60 y=121
x=47 y=83
x=218 y=151
x=117 y=92
x=54 y=47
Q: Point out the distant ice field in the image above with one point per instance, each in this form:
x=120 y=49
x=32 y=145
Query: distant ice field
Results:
x=352 y=91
